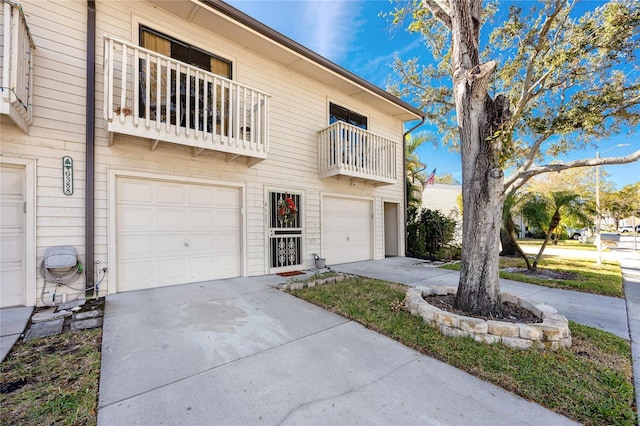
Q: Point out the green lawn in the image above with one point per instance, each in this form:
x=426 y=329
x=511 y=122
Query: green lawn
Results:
x=52 y=380
x=572 y=244
x=591 y=382
x=585 y=274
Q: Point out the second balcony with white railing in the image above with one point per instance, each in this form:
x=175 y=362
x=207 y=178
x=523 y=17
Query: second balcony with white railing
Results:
x=16 y=66
x=347 y=150
x=153 y=96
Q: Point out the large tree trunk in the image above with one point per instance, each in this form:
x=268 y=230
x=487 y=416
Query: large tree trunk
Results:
x=479 y=117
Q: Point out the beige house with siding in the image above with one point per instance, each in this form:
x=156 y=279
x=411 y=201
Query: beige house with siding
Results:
x=170 y=142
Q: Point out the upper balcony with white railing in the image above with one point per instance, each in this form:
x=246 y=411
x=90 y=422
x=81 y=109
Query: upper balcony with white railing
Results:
x=16 y=48
x=153 y=96
x=347 y=150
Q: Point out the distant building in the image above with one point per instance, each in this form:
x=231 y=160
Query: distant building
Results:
x=444 y=198
x=441 y=197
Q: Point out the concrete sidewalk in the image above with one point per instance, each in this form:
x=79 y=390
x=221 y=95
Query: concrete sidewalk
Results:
x=630 y=263
x=239 y=351
x=12 y=323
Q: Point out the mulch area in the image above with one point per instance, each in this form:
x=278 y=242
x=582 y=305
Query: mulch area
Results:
x=290 y=274
x=510 y=311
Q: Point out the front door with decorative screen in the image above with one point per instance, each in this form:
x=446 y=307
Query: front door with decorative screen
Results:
x=285 y=232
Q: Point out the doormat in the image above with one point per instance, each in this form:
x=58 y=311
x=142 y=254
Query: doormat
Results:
x=290 y=274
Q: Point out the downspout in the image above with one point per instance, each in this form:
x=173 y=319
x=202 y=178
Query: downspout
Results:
x=90 y=144
x=404 y=181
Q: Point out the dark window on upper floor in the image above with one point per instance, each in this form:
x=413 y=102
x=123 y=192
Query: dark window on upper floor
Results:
x=168 y=46
x=338 y=113
x=186 y=106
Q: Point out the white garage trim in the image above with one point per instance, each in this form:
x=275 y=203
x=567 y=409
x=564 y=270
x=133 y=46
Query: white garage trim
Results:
x=30 y=225
x=371 y=219
x=114 y=175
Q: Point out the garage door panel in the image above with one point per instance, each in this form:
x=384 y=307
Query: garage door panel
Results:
x=227 y=197
x=170 y=193
x=227 y=219
x=200 y=219
x=226 y=265
x=171 y=270
x=346 y=230
x=11 y=246
x=201 y=267
x=135 y=275
x=192 y=232
x=12 y=214
x=136 y=219
x=170 y=218
x=201 y=242
x=12 y=236
x=136 y=191
x=136 y=245
x=12 y=182
x=201 y=196
x=167 y=244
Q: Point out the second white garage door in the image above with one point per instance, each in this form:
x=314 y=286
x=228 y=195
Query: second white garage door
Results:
x=173 y=233
x=346 y=230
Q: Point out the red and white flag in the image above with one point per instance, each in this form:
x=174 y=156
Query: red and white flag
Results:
x=431 y=179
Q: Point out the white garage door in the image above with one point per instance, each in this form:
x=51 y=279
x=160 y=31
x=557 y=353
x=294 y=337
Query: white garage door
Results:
x=346 y=230
x=12 y=279
x=174 y=233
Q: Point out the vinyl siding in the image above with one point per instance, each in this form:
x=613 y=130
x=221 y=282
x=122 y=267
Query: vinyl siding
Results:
x=298 y=110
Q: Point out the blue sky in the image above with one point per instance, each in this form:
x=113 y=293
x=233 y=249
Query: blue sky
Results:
x=352 y=34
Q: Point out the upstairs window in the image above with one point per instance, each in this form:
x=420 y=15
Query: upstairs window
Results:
x=191 y=100
x=183 y=52
x=338 y=113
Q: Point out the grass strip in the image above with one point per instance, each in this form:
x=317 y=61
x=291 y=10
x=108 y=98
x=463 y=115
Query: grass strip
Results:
x=584 y=274
x=591 y=382
x=571 y=244
x=52 y=380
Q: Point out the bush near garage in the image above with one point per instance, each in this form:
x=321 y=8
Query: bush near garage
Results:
x=430 y=235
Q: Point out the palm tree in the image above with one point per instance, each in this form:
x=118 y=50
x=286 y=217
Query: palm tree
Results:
x=415 y=174
x=545 y=211
x=508 y=237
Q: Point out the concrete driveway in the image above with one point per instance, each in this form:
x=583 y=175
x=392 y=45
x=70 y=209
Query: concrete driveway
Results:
x=239 y=351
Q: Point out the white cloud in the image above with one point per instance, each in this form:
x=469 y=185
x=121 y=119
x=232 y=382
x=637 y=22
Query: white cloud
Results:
x=328 y=27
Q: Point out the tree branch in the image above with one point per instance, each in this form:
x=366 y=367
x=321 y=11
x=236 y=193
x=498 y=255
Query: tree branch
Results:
x=517 y=181
x=440 y=10
x=527 y=87
x=531 y=157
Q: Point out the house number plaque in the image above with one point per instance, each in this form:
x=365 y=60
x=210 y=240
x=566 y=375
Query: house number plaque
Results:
x=67 y=175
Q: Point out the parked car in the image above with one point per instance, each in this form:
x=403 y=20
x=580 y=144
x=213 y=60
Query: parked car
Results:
x=575 y=235
x=625 y=228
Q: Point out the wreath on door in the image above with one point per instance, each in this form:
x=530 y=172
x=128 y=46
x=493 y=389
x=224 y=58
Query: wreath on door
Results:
x=287 y=210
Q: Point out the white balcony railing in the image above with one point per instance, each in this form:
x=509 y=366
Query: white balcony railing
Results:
x=16 y=98
x=347 y=150
x=153 y=96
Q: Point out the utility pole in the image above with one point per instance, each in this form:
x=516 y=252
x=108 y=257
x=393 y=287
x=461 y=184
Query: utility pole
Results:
x=598 y=242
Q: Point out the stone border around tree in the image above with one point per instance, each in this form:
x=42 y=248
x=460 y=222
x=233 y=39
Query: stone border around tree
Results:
x=299 y=285
x=552 y=333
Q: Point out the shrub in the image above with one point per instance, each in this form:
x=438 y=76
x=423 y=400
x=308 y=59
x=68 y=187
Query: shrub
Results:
x=429 y=232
